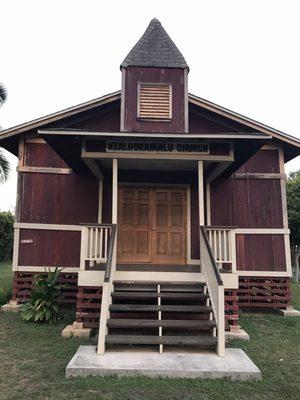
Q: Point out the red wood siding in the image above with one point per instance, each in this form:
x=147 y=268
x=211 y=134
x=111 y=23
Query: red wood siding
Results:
x=42 y=155
x=108 y=122
x=249 y=203
x=173 y=76
x=253 y=203
x=50 y=248
x=256 y=203
x=260 y=252
x=264 y=161
x=59 y=199
x=200 y=124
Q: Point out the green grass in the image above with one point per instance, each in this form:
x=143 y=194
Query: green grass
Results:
x=6 y=275
x=33 y=359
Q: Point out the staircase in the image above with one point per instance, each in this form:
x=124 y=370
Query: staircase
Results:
x=160 y=314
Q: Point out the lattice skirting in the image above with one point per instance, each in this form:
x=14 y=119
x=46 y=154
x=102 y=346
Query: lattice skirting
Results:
x=231 y=308
x=264 y=292
x=89 y=306
x=23 y=284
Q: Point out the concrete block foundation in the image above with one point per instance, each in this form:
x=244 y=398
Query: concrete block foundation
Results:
x=12 y=306
x=77 y=330
x=289 y=312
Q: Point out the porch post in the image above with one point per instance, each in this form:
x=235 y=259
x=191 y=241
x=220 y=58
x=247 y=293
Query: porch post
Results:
x=114 y=191
x=201 y=193
x=100 y=203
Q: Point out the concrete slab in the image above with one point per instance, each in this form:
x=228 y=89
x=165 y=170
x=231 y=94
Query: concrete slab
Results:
x=289 y=312
x=236 y=365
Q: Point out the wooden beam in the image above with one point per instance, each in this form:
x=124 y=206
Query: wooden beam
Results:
x=93 y=167
x=255 y=175
x=45 y=170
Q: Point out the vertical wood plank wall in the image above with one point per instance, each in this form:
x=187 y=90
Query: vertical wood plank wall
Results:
x=253 y=202
x=50 y=198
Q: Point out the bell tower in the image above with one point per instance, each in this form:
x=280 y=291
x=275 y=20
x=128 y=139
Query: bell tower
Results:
x=154 y=85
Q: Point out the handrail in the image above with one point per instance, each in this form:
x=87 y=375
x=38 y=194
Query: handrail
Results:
x=211 y=256
x=223 y=227
x=111 y=244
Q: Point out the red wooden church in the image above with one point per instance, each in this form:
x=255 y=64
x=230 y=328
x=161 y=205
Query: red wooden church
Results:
x=166 y=211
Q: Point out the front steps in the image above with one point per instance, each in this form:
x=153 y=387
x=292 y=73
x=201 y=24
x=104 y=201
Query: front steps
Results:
x=167 y=315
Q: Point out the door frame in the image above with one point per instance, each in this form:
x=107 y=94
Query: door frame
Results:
x=189 y=260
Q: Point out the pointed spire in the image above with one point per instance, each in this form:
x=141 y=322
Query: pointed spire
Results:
x=155 y=49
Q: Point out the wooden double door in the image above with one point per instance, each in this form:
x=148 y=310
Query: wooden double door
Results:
x=152 y=225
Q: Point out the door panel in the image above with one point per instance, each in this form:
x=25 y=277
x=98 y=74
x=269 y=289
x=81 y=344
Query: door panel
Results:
x=169 y=222
x=152 y=225
x=134 y=226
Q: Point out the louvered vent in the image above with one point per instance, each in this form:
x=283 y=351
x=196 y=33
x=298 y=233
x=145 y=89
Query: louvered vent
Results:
x=154 y=101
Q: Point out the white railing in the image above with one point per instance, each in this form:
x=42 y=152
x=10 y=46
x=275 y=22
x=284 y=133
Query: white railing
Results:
x=215 y=288
x=223 y=245
x=94 y=244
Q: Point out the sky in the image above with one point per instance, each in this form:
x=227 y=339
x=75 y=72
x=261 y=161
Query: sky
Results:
x=243 y=55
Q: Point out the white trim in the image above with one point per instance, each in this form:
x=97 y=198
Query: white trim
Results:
x=223 y=136
x=261 y=231
x=157 y=156
x=208 y=204
x=283 y=190
x=114 y=212
x=31 y=268
x=16 y=249
x=48 y=227
x=100 y=201
x=35 y=140
x=288 y=259
x=201 y=193
x=45 y=170
x=264 y=273
x=188 y=225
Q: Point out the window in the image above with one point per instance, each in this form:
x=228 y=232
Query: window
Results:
x=154 y=101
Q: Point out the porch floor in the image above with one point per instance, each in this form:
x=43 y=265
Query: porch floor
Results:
x=149 y=268
x=236 y=365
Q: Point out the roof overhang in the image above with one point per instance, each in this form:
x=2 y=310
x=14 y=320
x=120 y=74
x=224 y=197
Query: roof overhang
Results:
x=9 y=137
x=68 y=144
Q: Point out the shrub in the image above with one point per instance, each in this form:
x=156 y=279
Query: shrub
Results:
x=43 y=305
x=7 y=220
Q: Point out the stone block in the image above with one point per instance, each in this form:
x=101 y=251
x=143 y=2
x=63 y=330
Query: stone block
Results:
x=12 y=306
x=289 y=312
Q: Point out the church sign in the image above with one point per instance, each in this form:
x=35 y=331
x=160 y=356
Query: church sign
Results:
x=119 y=146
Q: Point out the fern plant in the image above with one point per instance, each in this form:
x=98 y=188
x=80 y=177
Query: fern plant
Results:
x=43 y=305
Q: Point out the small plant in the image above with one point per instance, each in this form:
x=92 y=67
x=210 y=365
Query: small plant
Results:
x=43 y=305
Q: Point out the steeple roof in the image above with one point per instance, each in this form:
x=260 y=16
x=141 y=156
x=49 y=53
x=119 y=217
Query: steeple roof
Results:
x=155 y=49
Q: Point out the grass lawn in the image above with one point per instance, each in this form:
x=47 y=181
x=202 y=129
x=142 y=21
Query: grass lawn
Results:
x=33 y=359
x=6 y=275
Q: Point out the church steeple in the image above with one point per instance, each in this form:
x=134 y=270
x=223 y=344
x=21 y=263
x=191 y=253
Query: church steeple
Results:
x=154 y=85
x=155 y=49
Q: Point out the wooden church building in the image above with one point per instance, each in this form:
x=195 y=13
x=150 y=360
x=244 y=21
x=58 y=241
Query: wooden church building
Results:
x=166 y=212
